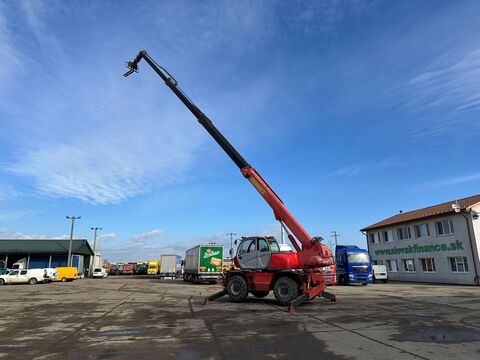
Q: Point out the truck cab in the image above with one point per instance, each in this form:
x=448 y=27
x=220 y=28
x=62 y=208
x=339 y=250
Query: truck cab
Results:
x=261 y=253
x=153 y=267
x=353 y=265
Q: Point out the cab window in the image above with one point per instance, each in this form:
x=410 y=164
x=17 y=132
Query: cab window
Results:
x=23 y=272
x=274 y=246
x=263 y=245
x=245 y=246
x=13 y=273
x=253 y=246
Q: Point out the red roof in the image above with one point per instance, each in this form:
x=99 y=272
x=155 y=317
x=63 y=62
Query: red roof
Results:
x=431 y=211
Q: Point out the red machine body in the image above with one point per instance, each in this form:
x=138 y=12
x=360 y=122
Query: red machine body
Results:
x=293 y=276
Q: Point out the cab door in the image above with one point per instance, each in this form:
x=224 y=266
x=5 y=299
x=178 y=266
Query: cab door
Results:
x=264 y=253
x=23 y=276
x=247 y=254
x=13 y=276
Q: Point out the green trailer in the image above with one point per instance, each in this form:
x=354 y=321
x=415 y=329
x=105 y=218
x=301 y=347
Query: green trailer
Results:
x=203 y=263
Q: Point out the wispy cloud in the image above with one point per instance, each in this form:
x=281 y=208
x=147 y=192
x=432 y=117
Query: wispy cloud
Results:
x=107 y=237
x=451 y=82
x=444 y=95
x=322 y=15
x=11 y=58
x=7 y=234
x=458 y=180
x=362 y=167
x=141 y=239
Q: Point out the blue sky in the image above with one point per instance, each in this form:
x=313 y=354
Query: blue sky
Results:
x=352 y=110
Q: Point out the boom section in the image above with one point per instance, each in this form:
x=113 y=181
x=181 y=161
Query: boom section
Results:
x=201 y=117
x=281 y=213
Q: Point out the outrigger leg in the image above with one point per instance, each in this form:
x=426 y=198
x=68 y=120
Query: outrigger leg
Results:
x=214 y=296
x=329 y=296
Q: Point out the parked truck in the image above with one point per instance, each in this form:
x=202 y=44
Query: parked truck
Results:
x=153 y=267
x=353 y=265
x=170 y=265
x=203 y=263
x=3 y=267
x=129 y=269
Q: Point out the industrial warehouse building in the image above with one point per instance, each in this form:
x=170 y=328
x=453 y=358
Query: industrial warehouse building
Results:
x=439 y=243
x=43 y=253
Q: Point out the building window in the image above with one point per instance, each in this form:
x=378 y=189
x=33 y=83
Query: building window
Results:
x=388 y=236
x=428 y=265
x=409 y=265
x=377 y=262
x=375 y=238
x=422 y=230
x=459 y=264
x=444 y=227
x=404 y=233
x=392 y=265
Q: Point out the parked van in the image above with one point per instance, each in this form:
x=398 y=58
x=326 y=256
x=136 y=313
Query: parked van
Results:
x=22 y=276
x=50 y=274
x=66 y=273
x=380 y=273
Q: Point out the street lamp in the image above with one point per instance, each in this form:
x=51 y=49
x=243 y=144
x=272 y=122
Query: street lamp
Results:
x=231 y=243
x=95 y=229
x=73 y=218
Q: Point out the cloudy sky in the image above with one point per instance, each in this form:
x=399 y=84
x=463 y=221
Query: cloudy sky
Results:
x=352 y=110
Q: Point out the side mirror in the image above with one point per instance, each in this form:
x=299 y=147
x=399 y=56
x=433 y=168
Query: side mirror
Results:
x=235 y=242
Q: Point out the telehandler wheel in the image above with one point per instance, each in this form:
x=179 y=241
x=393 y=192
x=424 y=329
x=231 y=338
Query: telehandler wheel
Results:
x=237 y=288
x=260 y=294
x=285 y=290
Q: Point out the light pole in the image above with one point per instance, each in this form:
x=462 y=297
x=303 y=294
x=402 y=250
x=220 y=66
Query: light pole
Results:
x=95 y=229
x=231 y=243
x=73 y=218
x=335 y=235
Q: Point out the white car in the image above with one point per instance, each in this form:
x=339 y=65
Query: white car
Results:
x=99 y=273
x=22 y=276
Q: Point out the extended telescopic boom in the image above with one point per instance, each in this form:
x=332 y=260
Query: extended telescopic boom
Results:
x=280 y=211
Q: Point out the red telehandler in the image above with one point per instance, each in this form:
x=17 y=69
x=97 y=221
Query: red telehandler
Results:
x=294 y=276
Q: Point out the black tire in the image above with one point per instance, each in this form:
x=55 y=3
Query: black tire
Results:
x=260 y=294
x=237 y=288
x=33 y=281
x=2 y=282
x=341 y=280
x=385 y=281
x=64 y=279
x=364 y=284
x=285 y=290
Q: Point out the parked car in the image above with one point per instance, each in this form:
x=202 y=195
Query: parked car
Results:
x=66 y=273
x=22 y=276
x=380 y=273
x=99 y=273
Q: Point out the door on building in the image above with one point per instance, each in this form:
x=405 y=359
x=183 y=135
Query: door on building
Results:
x=38 y=262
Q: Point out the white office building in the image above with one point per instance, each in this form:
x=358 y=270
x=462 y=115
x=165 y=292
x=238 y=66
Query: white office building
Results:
x=439 y=243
